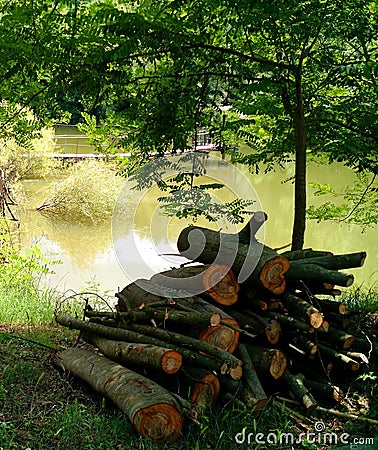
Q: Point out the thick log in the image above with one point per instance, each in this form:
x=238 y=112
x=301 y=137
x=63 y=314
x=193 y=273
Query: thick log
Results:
x=188 y=347
x=338 y=358
x=215 y=280
x=299 y=307
x=294 y=255
x=222 y=336
x=336 y=262
x=313 y=272
x=324 y=327
x=295 y=385
x=258 y=399
x=135 y=354
x=255 y=263
x=153 y=411
x=267 y=361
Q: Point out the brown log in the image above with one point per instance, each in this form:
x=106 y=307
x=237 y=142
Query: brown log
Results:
x=267 y=361
x=135 y=354
x=258 y=398
x=248 y=233
x=224 y=337
x=255 y=263
x=267 y=328
x=295 y=385
x=215 y=280
x=205 y=387
x=324 y=327
x=299 y=307
x=154 y=412
x=338 y=358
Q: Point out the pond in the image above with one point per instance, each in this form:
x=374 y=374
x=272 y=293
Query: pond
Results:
x=90 y=255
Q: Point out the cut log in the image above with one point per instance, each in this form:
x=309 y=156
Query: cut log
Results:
x=205 y=387
x=338 y=358
x=302 y=342
x=290 y=322
x=224 y=337
x=294 y=255
x=324 y=327
x=327 y=305
x=258 y=399
x=253 y=263
x=215 y=280
x=313 y=272
x=188 y=347
x=267 y=361
x=326 y=391
x=268 y=328
x=337 y=262
x=299 y=307
x=295 y=385
x=169 y=315
x=248 y=233
x=249 y=299
x=153 y=411
x=135 y=354
x=339 y=338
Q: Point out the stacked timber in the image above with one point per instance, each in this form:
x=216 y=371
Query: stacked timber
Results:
x=241 y=323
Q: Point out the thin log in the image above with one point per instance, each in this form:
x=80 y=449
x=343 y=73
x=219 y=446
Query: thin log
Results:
x=337 y=262
x=295 y=384
x=153 y=411
x=339 y=358
x=294 y=255
x=328 y=305
x=206 y=387
x=135 y=354
x=305 y=344
x=188 y=347
x=268 y=328
x=267 y=361
x=324 y=327
x=313 y=272
x=254 y=263
x=291 y=322
x=298 y=306
x=249 y=231
x=201 y=319
x=339 y=338
x=326 y=391
x=215 y=280
x=258 y=399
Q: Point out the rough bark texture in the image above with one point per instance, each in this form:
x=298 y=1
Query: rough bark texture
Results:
x=313 y=272
x=267 y=361
x=154 y=412
x=295 y=384
x=298 y=306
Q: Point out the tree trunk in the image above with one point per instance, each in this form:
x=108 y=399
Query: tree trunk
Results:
x=154 y=412
x=299 y=225
x=143 y=355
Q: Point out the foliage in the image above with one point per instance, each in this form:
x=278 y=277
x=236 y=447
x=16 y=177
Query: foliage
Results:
x=359 y=202
x=88 y=193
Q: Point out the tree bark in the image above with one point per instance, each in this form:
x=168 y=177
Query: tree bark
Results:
x=154 y=412
x=293 y=255
x=336 y=262
x=295 y=384
x=298 y=306
x=267 y=361
x=291 y=322
x=143 y=355
x=313 y=272
x=338 y=358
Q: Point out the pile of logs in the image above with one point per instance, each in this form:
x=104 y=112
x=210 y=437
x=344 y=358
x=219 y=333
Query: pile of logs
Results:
x=189 y=336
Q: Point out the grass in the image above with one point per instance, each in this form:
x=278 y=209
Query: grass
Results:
x=44 y=408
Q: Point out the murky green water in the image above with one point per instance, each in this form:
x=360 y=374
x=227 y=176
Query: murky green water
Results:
x=88 y=254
